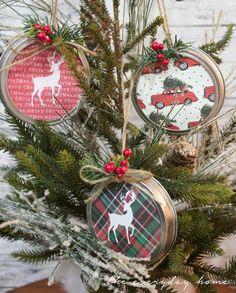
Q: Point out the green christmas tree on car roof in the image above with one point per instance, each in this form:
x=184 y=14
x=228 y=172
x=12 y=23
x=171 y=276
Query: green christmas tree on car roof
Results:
x=174 y=83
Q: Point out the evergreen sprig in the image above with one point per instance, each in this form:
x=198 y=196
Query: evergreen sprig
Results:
x=148 y=30
x=36 y=256
x=215 y=48
x=68 y=33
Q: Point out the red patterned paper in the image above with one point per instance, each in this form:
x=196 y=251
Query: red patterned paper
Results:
x=33 y=83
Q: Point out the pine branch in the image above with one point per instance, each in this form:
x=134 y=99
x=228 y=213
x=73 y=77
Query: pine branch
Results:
x=9 y=145
x=194 y=189
x=228 y=133
x=10 y=234
x=215 y=48
x=118 y=52
x=177 y=258
x=100 y=11
x=36 y=256
x=148 y=30
x=147 y=158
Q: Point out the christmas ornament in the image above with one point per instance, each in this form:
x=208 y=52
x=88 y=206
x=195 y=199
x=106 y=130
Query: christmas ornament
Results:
x=137 y=220
x=181 y=154
x=37 y=83
x=182 y=93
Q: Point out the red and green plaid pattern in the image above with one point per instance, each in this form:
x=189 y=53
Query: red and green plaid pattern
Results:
x=146 y=220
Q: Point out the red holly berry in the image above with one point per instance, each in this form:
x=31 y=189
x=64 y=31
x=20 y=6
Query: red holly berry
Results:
x=119 y=175
x=47 y=29
x=124 y=163
x=109 y=167
x=155 y=46
x=48 y=39
x=118 y=170
x=161 y=46
x=146 y=70
x=37 y=26
x=124 y=169
x=160 y=56
x=41 y=36
x=127 y=153
x=165 y=62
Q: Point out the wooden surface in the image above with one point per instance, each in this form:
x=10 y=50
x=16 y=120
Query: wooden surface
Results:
x=39 y=287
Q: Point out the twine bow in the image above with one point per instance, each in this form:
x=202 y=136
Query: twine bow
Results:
x=131 y=176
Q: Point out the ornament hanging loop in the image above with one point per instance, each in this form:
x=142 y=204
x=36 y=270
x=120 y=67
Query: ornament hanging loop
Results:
x=55 y=13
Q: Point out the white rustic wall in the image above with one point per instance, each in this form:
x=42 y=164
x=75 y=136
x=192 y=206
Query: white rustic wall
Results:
x=190 y=20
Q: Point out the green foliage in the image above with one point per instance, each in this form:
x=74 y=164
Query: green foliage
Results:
x=172 y=52
x=36 y=256
x=177 y=258
x=206 y=110
x=195 y=189
x=178 y=45
x=158 y=118
x=147 y=158
x=215 y=48
x=68 y=33
x=147 y=31
x=174 y=83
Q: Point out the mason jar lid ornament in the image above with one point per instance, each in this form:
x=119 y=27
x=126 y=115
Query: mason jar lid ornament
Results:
x=180 y=94
x=36 y=83
x=136 y=220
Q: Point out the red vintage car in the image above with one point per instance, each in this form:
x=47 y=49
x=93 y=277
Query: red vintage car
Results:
x=170 y=97
x=193 y=124
x=210 y=93
x=158 y=67
x=184 y=63
x=172 y=127
x=141 y=104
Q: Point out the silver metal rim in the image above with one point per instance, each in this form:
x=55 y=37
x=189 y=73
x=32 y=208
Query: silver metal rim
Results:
x=7 y=58
x=169 y=224
x=213 y=70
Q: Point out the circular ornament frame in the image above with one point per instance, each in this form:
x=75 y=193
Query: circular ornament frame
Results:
x=8 y=57
x=156 y=195
x=200 y=58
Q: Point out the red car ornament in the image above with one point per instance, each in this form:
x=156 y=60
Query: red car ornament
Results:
x=141 y=104
x=210 y=93
x=172 y=127
x=170 y=97
x=184 y=63
x=158 y=67
x=195 y=123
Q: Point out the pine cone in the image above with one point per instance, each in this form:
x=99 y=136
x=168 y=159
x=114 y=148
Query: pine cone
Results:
x=181 y=154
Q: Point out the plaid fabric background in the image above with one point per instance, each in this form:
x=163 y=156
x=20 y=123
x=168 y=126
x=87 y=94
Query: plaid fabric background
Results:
x=146 y=221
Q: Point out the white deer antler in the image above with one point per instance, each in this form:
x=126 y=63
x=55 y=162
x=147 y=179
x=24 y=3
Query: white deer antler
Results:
x=51 y=57
x=133 y=196
x=122 y=196
x=61 y=60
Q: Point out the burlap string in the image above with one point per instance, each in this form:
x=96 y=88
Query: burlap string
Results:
x=55 y=13
x=31 y=53
x=132 y=176
x=163 y=14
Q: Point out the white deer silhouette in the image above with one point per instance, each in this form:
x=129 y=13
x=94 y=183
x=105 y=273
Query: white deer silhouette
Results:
x=51 y=81
x=125 y=219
